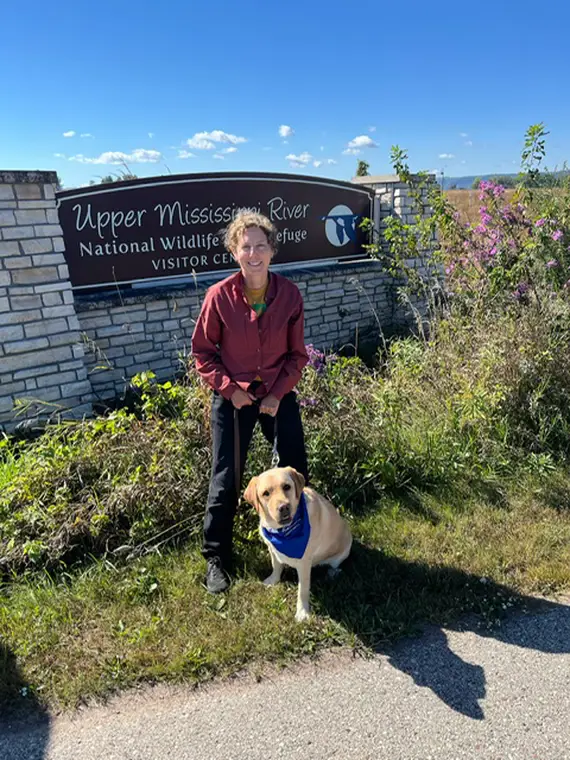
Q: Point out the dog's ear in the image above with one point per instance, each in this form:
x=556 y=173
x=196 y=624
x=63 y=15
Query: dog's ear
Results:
x=298 y=479
x=250 y=494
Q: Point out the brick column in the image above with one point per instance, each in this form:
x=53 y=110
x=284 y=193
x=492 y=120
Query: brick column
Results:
x=41 y=351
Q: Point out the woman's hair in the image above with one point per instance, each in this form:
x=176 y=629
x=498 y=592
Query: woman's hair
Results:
x=243 y=220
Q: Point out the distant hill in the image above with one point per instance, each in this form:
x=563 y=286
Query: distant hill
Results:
x=464 y=183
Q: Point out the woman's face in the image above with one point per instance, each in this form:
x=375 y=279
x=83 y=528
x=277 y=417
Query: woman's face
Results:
x=253 y=253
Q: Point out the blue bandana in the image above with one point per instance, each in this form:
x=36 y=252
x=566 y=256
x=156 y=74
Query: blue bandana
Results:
x=292 y=540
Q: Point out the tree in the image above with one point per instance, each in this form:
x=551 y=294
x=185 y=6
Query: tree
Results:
x=362 y=169
x=117 y=178
x=506 y=180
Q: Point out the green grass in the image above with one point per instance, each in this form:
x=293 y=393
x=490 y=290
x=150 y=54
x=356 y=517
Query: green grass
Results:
x=90 y=632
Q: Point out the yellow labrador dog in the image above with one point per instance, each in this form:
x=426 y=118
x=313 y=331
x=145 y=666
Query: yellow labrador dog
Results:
x=300 y=528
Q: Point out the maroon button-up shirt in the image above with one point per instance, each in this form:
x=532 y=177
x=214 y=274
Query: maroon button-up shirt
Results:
x=233 y=347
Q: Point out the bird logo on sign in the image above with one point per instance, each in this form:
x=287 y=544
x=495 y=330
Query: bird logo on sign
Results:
x=340 y=225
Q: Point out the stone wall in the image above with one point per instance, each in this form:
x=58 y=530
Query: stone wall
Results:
x=393 y=198
x=41 y=353
x=344 y=304
x=60 y=352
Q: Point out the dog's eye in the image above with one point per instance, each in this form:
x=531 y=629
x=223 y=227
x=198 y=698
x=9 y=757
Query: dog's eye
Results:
x=265 y=493
x=286 y=487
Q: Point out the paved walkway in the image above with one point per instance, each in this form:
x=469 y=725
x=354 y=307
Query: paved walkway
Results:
x=452 y=693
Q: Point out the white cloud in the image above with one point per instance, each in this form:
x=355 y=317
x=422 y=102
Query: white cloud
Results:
x=463 y=134
x=59 y=155
x=322 y=148
x=208 y=140
x=285 y=131
x=299 y=161
x=351 y=152
x=372 y=129
x=185 y=154
x=362 y=141
x=218 y=156
x=469 y=143
x=230 y=150
x=317 y=163
x=71 y=133
x=331 y=161
x=151 y=135
x=115 y=157
x=446 y=155
x=86 y=134
x=200 y=143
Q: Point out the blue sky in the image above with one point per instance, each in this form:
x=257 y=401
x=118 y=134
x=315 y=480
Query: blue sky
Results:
x=185 y=87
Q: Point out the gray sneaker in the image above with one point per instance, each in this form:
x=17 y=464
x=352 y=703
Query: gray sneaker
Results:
x=217 y=579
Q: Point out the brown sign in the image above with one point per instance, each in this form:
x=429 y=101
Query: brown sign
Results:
x=172 y=226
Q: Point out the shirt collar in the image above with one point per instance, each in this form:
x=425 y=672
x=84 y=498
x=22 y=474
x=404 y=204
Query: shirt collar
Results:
x=271 y=287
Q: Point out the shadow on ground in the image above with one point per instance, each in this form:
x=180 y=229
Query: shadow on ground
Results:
x=24 y=724
x=381 y=598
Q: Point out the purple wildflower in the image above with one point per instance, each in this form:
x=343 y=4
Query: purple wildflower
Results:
x=540 y=222
x=552 y=264
x=521 y=290
x=486 y=218
x=317 y=358
x=308 y=402
x=557 y=234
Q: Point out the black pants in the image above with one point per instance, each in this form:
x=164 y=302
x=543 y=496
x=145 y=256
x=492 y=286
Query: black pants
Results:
x=222 y=495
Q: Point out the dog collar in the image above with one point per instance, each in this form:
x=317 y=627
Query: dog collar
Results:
x=292 y=540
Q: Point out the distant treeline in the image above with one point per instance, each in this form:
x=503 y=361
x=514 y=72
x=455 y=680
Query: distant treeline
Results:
x=544 y=179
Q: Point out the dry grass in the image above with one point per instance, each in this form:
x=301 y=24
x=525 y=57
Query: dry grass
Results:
x=467 y=202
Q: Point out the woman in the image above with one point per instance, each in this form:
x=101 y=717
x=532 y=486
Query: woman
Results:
x=249 y=348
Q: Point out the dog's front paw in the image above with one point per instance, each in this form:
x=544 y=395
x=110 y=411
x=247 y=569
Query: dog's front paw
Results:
x=272 y=580
x=302 y=615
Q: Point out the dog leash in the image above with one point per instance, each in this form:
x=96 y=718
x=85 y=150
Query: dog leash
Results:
x=237 y=452
x=237 y=456
x=275 y=457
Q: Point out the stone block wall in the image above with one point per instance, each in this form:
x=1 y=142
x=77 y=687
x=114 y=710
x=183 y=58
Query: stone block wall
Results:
x=131 y=334
x=393 y=198
x=41 y=353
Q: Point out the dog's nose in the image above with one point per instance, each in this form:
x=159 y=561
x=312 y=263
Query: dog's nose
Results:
x=283 y=510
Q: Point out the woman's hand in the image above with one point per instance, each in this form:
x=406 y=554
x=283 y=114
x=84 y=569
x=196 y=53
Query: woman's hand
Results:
x=242 y=398
x=269 y=405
